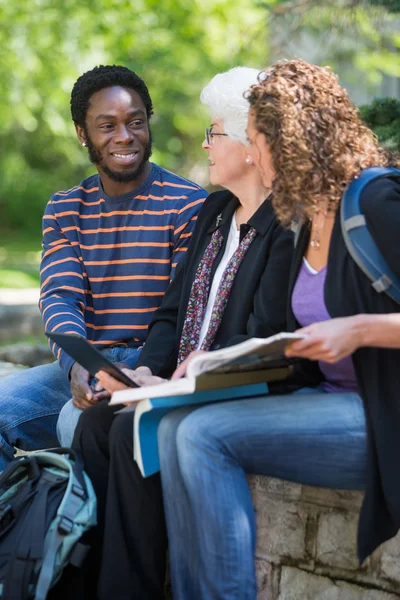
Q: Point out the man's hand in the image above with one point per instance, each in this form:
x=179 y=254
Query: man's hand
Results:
x=82 y=394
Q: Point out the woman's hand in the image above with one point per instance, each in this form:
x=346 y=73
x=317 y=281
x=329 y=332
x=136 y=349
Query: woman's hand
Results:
x=142 y=376
x=328 y=341
x=181 y=370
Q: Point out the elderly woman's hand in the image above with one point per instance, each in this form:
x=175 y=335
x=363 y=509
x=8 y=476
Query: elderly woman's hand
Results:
x=142 y=376
x=181 y=370
x=328 y=341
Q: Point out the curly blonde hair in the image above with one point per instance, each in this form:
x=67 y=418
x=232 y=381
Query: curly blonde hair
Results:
x=317 y=140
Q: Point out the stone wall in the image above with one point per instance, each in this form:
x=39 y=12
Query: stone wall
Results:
x=306 y=546
x=19 y=314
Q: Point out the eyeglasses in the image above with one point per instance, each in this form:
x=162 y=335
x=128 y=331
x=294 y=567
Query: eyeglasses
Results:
x=210 y=135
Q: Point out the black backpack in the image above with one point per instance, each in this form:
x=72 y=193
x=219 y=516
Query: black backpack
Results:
x=47 y=502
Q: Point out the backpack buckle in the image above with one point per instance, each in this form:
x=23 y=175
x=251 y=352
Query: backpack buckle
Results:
x=78 y=491
x=382 y=284
x=65 y=525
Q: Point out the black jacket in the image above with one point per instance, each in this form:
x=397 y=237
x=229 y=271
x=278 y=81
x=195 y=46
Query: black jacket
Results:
x=257 y=304
x=349 y=292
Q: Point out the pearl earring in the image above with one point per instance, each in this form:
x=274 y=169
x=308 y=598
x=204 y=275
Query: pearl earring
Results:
x=84 y=144
x=248 y=160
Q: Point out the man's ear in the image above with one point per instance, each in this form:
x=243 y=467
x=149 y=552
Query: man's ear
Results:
x=80 y=132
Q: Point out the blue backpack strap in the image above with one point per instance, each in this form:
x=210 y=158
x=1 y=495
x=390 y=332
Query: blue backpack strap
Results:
x=74 y=498
x=359 y=242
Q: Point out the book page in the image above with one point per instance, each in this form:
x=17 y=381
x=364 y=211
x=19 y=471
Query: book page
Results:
x=176 y=387
x=251 y=354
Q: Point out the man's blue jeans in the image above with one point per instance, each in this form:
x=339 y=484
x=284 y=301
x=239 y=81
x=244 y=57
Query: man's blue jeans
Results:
x=30 y=402
x=310 y=437
x=69 y=415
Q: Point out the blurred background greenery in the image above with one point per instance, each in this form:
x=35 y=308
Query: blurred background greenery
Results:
x=176 y=46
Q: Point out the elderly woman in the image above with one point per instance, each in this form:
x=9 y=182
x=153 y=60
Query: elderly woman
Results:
x=232 y=285
x=309 y=143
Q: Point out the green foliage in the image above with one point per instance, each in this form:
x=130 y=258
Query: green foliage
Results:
x=390 y=5
x=175 y=45
x=352 y=36
x=383 y=116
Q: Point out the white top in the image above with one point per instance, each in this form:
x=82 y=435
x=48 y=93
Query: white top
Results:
x=309 y=267
x=231 y=245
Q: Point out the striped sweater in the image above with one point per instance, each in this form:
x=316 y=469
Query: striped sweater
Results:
x=107 y=261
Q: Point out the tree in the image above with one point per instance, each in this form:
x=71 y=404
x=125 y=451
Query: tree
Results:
x=357 y=38
x=175 y=45
x=383 y=116
x=390 y=5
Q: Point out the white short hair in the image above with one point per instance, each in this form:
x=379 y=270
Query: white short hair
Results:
x=224 y=96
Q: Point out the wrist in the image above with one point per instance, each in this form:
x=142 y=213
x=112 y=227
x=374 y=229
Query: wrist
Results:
x=122 y=365
x=362 y=328
x=144 y=371
x=73 y=368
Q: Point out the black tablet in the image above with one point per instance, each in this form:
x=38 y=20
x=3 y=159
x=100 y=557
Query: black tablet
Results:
x=86 y=355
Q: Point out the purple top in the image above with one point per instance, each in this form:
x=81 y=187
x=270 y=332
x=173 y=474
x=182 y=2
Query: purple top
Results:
x=308 y=305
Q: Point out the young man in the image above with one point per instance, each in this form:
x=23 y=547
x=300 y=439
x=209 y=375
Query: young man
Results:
x=110 y=247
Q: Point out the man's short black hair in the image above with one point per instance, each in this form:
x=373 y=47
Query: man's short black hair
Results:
x=103 y=77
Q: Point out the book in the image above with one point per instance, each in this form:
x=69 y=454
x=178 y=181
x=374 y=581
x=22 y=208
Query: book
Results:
x=238 y=372
x=253 y=361
x=148 y=414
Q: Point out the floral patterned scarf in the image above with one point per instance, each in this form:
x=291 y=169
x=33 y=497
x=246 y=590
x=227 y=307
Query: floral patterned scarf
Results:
x=200 y=290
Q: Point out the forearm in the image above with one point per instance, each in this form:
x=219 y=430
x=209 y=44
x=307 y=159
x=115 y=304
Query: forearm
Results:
x=62 y=290
x=380 y=331
x=63 y=318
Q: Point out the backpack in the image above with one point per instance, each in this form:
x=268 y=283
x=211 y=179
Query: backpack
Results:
x=359 y=242
x=47 y=502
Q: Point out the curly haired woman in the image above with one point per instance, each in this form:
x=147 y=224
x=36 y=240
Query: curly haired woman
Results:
x=343 y=433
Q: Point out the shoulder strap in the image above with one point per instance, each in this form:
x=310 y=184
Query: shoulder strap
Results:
x=296 y=227
x=359 y=242
x=74 y=498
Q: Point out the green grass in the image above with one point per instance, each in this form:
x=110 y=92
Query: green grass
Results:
x=18 y=279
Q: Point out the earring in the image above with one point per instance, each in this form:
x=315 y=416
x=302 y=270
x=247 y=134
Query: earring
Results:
x=84 y=144
x=248 y=160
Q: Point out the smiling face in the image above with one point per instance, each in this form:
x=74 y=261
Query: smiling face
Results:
x=260 y=152
x=227 y=157
x=118 y=138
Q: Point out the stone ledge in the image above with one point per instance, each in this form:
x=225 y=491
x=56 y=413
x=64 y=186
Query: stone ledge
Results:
x=7 y=368
x=306 y=546
x=19 y=321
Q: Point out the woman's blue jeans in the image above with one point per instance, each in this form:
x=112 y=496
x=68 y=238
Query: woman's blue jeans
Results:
x=310 y=437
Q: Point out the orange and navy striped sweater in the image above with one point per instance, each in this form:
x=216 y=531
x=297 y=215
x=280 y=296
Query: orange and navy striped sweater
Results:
x=107 y=261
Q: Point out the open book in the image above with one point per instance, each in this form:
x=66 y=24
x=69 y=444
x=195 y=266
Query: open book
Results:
x=238 y=372
x=252 y=361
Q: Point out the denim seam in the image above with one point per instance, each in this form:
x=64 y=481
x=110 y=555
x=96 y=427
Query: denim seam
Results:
x=26 y=420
